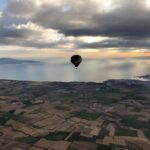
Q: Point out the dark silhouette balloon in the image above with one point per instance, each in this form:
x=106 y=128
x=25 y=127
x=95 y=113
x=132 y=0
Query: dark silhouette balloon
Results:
x=76 y=60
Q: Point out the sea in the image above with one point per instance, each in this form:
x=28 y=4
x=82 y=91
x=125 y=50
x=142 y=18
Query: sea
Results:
x=90 y=70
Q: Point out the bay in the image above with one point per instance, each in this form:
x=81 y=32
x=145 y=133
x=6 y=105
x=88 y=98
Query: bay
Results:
x=91 y=70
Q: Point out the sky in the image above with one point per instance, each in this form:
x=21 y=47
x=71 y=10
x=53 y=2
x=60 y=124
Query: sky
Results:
x=60 y=28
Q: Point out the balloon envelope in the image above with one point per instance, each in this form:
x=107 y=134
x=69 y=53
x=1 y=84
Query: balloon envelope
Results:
x=76 y=60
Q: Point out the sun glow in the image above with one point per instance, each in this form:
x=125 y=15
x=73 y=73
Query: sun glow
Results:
x=91 y=39
x=1 y=13
x=147 y=3
x=105 y=6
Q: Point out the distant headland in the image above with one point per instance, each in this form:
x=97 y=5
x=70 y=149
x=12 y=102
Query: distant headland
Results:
x=16 y=61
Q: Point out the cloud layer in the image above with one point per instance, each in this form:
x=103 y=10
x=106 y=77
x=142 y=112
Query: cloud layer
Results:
x=70 y=24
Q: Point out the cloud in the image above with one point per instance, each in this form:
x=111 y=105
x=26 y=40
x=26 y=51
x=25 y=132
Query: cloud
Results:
x=31 y=35
x=128 y=19
x=116 y=43
x=70 y=24
x=20 y=8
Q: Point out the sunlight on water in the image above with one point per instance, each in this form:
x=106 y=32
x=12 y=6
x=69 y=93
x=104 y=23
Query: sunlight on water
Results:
x=89 y=70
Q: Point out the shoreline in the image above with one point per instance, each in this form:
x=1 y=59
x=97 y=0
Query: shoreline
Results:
x=138 y=78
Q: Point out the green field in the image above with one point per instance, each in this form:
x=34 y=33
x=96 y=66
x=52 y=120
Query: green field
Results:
x=27 y=103
x=125 y=132
x=130 y=121
x=104 y=147
x=136 y=109
x=64 y=108
x=1 y=134
x=88 y=115
x=115 y=115
x=57 y=136
x=77 y=137
x=147 y=133
x=105 y=99
x=104 y=132
x=6 y=116
x=29 y=140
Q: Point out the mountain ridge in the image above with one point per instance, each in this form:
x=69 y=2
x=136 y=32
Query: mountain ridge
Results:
x=6 y=60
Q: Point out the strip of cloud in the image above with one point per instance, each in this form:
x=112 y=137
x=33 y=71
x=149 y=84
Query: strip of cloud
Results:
x=116 y=43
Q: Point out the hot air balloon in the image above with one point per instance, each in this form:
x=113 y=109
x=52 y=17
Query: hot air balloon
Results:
x=76 y=60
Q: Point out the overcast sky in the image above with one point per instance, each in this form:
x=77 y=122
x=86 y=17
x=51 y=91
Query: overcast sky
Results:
x=59 y=28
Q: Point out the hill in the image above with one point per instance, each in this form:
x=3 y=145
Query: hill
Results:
x=16 y=61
